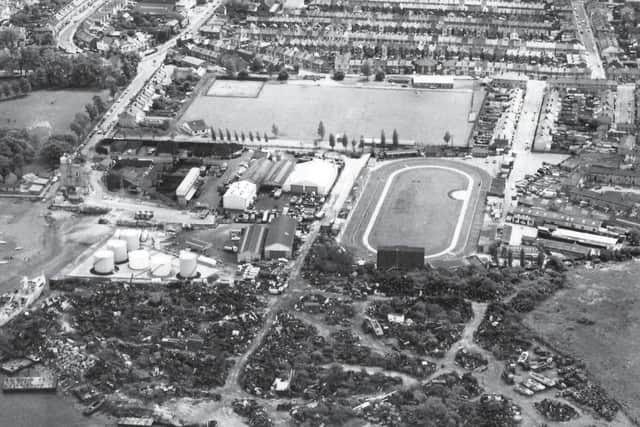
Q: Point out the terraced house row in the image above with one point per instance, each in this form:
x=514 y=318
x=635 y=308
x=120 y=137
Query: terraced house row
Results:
x=453 y=38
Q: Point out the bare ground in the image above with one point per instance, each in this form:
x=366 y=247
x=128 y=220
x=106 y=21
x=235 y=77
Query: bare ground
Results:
x=46 y=245
x=609 y=297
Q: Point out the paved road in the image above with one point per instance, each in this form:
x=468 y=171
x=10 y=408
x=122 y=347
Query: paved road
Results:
x=588 y=40
x=525 y=135
x=147 y=67
x=75 y=19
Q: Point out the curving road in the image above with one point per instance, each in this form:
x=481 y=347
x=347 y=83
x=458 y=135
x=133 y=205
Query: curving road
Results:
x=147 y=67
x=74 y=20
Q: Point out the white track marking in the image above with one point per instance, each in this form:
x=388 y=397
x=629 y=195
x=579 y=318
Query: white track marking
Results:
x=459 y=224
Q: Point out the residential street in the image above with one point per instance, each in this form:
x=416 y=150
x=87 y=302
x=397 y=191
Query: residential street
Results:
x=148 y=65
x=588 y=40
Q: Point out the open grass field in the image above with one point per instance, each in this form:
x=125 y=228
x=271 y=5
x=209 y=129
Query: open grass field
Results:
x=428 y=203
x=608 y=297
x=45 y=108
x=421 y=115
x=235 y=88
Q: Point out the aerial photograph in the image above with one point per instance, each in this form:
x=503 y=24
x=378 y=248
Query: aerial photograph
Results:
x=318 y=213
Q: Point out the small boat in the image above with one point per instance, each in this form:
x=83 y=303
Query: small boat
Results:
x=93 y=407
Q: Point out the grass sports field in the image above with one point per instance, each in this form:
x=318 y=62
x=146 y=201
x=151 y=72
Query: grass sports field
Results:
x=296 y=110
x=428 y=203
x=55 y=108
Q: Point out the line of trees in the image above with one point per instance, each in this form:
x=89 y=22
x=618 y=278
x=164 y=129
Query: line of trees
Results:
x=16 y=150
x=46 y=68
x=80 y=127
x=226 y=135
x=15 y=88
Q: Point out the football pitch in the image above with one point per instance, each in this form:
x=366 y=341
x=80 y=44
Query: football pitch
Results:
x=424 y=203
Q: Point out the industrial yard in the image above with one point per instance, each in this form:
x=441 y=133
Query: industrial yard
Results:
x=320 y=214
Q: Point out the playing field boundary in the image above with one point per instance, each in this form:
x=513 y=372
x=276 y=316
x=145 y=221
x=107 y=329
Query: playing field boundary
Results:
x=461 y=217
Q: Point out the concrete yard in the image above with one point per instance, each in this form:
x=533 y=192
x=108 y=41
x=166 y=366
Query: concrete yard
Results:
x=421 y=115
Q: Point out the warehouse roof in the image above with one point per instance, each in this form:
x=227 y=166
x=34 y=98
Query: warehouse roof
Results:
x=402 y=248
x=253 y=239
x=319 y=173
x=258 y=170
x=279 y=172
x=243 y=188
x=187 y=182
x=282 y=230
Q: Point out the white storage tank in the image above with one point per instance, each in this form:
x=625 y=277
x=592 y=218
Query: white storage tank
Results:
x=139 y=260
x=188 y=264
x=103 y=262
x=160 y=265
x=119 y=249
x=132 y=237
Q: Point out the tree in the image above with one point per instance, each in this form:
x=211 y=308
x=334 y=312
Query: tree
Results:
x=379 y=75
x=15 y=87
x=338 y=76
x=213 y=133
x=92 y=111
x=366 y=68
x=257 y=65
x=250 y=136
x=383 y=139
x=394 y=139
x=6 y=90
x=446 y=137
x=5 y=167
x=510 y=258
x=321 y=130
x=220 y=134
x=266 y=138
x=235 y=135
x=258 y=135
x=111 y=84
x=283 y=75
x=634 y=237
x=25 y=86
x=361 y=142
x=274 y=130
x=99 y=104
x=345 y=141
x=353 y=144
x=243 y=75
x=242 y=136
x=55 y=147
x=76 y=129
x=522 y=257
x=228 y=135
x=540 y=260
x=332 y=141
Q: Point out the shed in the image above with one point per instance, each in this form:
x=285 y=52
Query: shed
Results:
x=252 y=243
x=279 y=242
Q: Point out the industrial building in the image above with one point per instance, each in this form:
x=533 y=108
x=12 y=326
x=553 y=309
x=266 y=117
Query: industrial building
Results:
x=402 y=257
x=73 y=174
x=187 y=188
x=252 y=243
x=540 y=217
x=279 y=242
x=279 y=173
x=316 y=176
x=240 y=195
x=258 y=171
